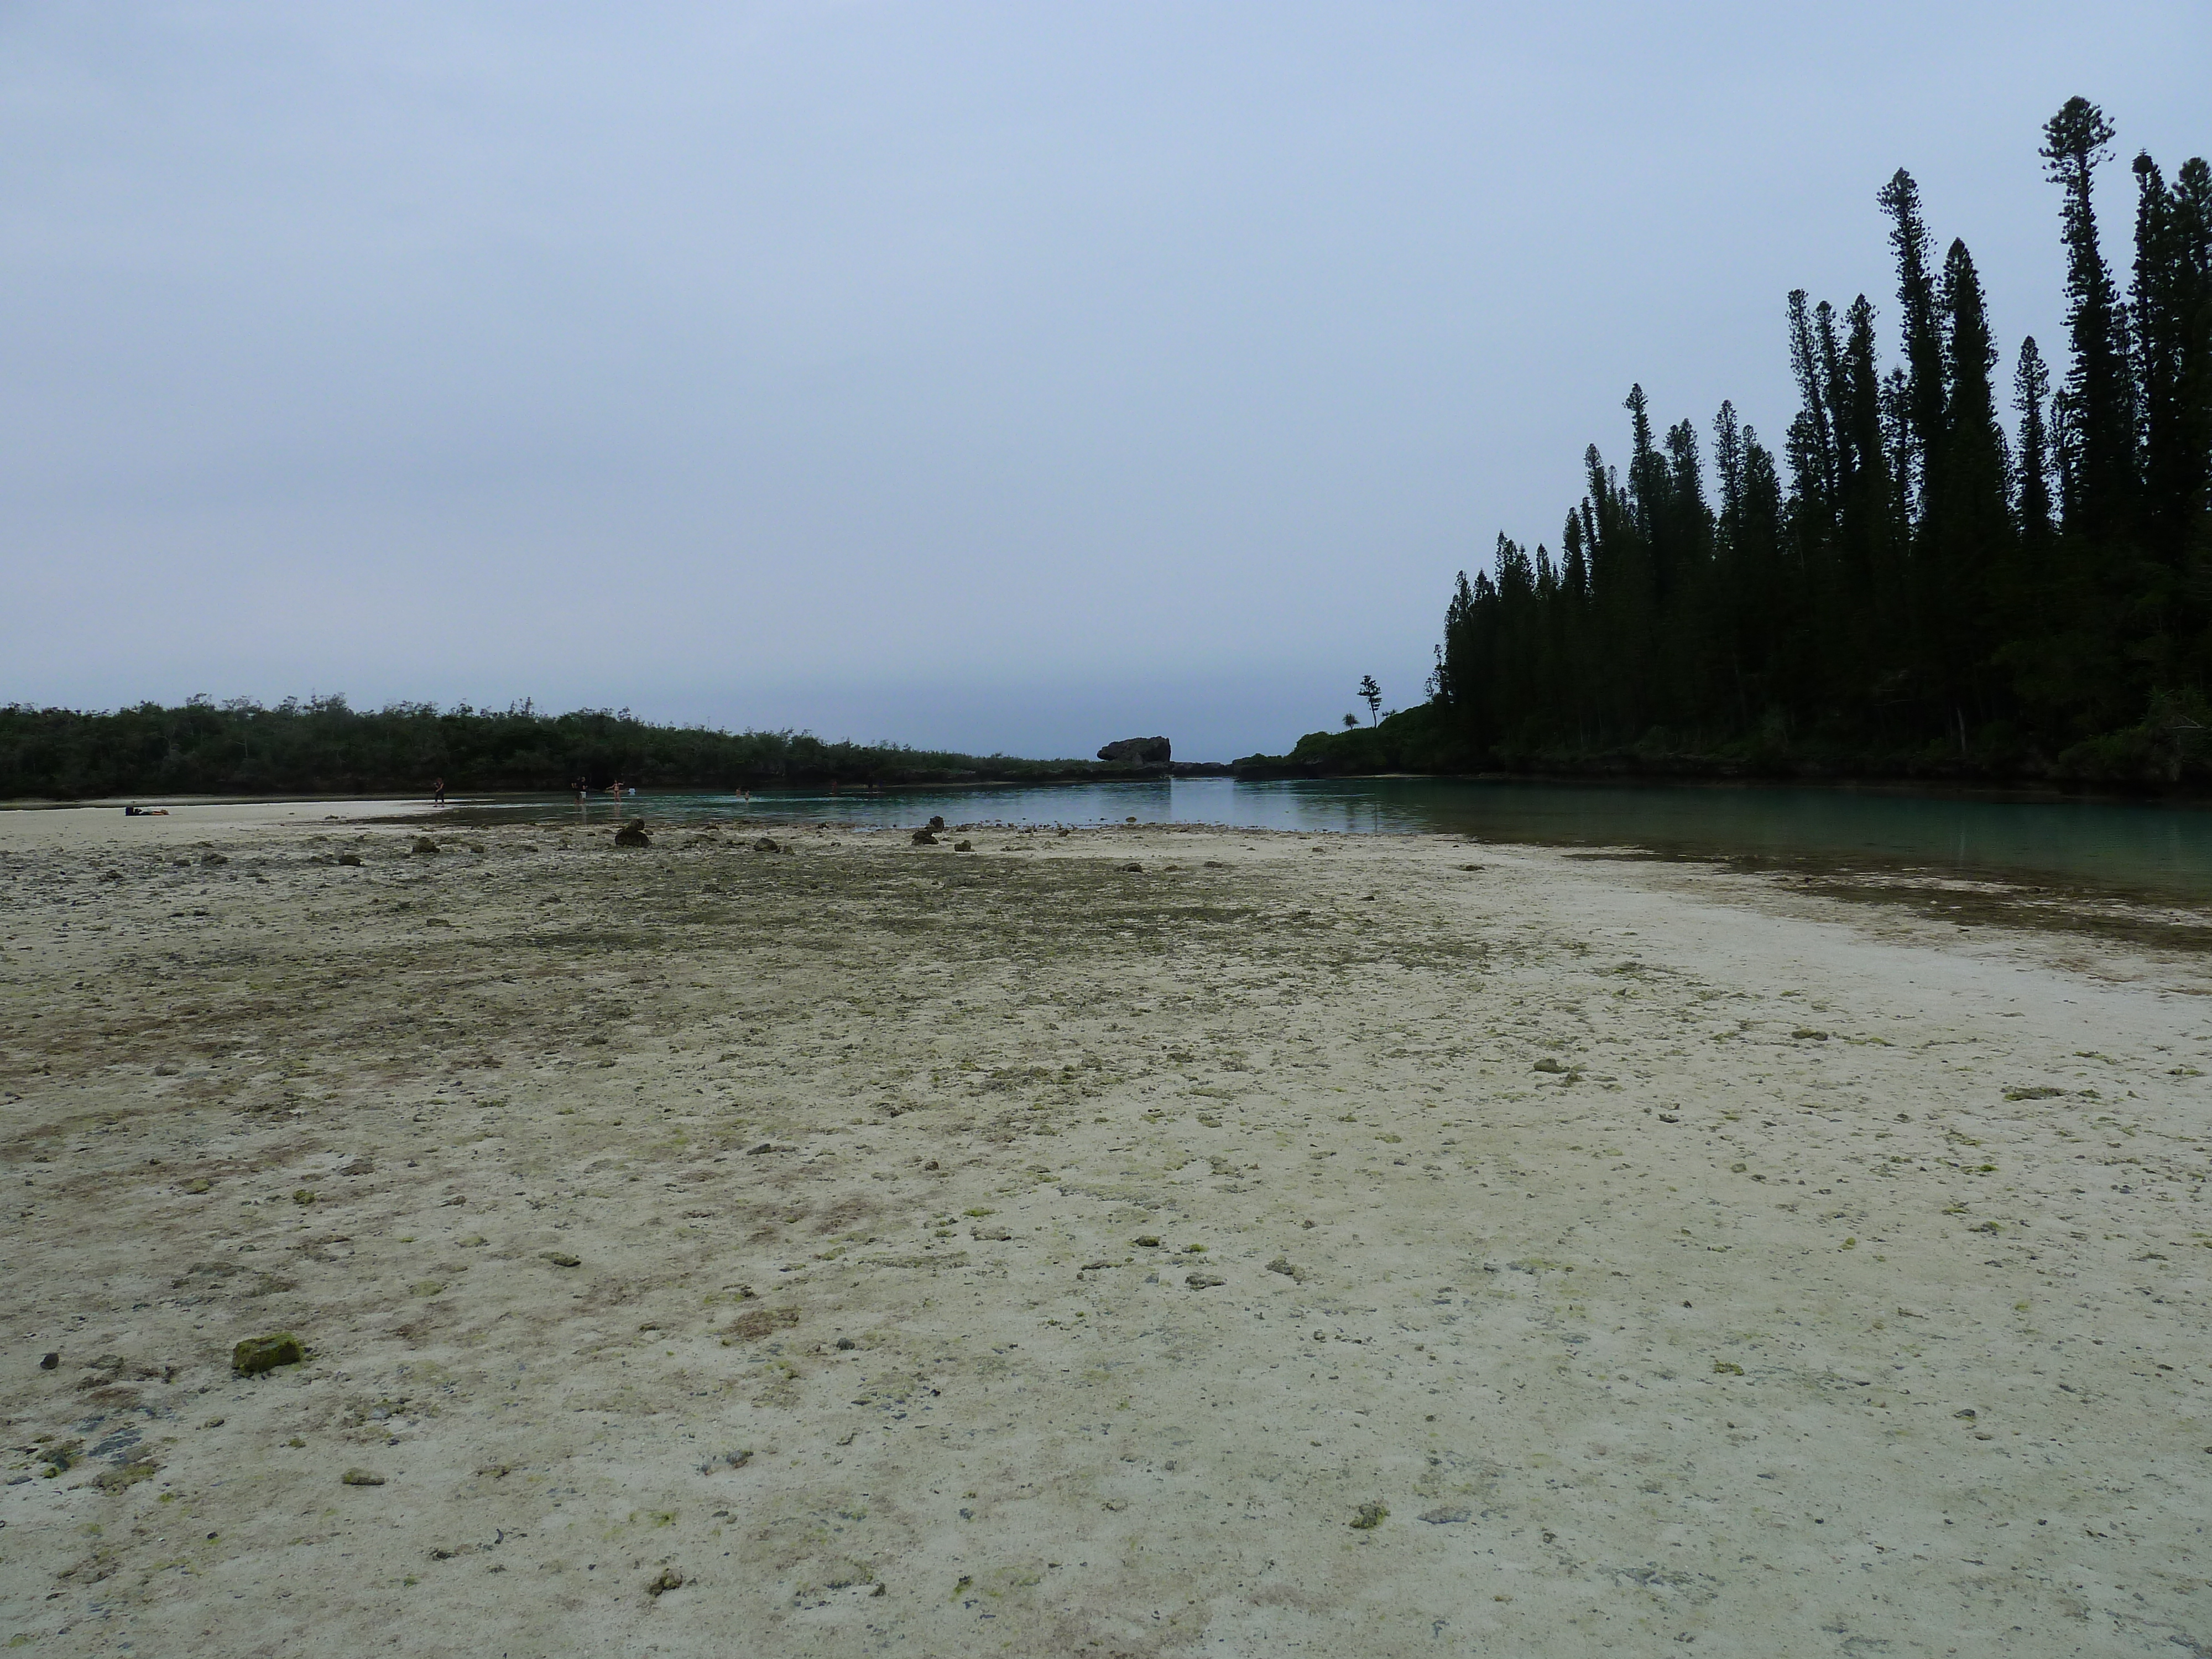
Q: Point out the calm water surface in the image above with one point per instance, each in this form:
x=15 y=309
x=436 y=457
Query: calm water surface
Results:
x=2149 y=849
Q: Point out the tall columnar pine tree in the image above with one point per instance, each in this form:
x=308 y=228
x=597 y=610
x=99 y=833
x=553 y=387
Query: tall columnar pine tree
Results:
x=2171 y=310
x=1967 y=533
x=2097 y=432
x=2031 y=394
x=1923 y=380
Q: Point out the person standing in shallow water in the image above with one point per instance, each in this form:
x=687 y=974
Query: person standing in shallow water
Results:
x=438 y=792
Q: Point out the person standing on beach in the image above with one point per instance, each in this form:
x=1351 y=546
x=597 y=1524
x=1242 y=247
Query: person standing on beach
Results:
x=438 y=793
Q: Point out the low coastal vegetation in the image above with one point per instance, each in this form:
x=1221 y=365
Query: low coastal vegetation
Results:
x=1908 y=589
x=324 y=745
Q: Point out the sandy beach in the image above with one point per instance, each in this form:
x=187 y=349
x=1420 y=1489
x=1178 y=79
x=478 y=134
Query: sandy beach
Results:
x=1137 y=1242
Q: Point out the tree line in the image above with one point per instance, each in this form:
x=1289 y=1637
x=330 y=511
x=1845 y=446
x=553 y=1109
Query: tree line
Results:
x=324 y=745
x=1911 y=584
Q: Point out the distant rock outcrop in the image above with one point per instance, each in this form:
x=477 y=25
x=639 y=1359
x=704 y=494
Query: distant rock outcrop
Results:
x=1138 y=751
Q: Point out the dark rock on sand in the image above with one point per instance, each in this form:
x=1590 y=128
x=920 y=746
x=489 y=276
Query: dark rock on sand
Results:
x=633 y=835
x=257 y=1354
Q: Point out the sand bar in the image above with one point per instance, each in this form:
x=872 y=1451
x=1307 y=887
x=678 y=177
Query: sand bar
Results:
x=177 y=824
x=711 y=1250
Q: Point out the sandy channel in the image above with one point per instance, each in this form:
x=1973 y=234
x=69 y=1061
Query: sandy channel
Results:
x=1127 y=1244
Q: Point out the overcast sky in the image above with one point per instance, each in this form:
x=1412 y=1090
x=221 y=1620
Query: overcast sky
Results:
x=981 y=376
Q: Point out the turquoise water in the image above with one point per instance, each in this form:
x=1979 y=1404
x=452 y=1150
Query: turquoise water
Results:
x=2150 y=849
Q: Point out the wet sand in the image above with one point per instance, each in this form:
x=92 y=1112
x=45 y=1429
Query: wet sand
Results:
x=1291 y=1244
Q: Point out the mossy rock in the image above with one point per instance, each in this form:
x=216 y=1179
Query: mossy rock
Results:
x=264 y=1353
x=424 y=846
x=130 y=1474
x=633 y=835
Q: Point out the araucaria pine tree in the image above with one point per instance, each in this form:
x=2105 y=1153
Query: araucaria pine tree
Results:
x=1908 y=587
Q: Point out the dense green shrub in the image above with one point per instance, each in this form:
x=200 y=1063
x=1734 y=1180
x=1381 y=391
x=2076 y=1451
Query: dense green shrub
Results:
x=325 y=746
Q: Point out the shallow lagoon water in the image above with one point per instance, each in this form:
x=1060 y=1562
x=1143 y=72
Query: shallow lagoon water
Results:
x=2150 y=849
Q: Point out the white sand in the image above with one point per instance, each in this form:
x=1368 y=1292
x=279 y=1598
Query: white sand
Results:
x=176 y=824
x=1723 y=1332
